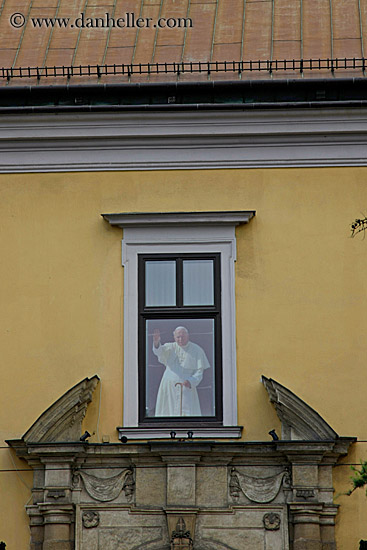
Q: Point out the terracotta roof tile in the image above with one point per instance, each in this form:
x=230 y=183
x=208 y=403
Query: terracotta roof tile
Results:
x=10 y=37
x=363 y=5
x=258 y=30
x=60 y=56
x=118 y=56
x=287 y=20
x=229 y=23
x=227 y=52
x=122 y=37
x=56 y=57
x=346 y=21
x=222 y=30
x=351 y=45
x=286 y=49
x=7 y=57
x=91 y=44
x=60 y=37
x=198 y=46
x=34 y=44
x=165 y=54
x=316 y=29
x=22 y=5
x=176 y=36
x=44 y=4
x=146 y=37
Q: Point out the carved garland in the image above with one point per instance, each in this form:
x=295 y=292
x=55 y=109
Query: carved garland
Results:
x=107 y=489
x=257 y=489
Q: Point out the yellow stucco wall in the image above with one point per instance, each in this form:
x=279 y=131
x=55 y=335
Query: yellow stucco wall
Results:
x=301 y=289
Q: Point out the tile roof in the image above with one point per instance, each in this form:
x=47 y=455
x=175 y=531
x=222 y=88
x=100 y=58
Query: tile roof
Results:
x=113 y=41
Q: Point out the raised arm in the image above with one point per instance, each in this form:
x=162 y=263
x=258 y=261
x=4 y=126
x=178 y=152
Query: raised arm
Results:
x=156 y=338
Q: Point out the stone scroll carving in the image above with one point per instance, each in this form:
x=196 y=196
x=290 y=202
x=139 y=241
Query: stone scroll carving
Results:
x=63 y=419
x=257 y=489
x=107 y=489
x=299 y=420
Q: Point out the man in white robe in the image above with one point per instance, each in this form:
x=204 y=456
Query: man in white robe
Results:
x=185 y=363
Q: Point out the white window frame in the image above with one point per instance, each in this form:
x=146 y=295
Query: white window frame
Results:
x=179 y=233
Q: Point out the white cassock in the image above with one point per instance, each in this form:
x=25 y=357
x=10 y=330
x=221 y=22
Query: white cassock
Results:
x=182 y=363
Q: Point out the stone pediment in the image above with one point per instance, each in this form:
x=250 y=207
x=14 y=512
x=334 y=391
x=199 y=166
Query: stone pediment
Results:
x=299 y=420
x=63 y=419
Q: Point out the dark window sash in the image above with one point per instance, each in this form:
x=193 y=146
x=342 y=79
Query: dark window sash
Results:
x=179 y=312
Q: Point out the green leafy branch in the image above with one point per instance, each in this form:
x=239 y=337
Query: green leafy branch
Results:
x=359 y=479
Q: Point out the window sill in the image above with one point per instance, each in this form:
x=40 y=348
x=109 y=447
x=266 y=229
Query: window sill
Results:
x=225 y=432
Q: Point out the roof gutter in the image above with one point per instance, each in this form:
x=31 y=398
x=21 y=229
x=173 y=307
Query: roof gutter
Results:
x=180 y=107
x=191 y=84
x=233 y=95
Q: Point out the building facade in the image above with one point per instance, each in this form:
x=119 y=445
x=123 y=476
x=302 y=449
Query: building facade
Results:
x=183 y=307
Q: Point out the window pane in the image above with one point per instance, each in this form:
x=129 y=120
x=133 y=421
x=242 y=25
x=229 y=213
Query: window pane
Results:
x=198 y=283
x=180 y=363
x=160 y=283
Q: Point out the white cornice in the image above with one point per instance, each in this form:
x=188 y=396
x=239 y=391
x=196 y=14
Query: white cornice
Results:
x=185 y=140
x=226 y=432
x=140 y=219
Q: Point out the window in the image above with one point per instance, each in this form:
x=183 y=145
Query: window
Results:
x=180 y=366
x=179 y=274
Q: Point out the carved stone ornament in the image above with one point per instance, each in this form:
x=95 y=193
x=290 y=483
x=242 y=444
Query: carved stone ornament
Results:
x=62 y=421
x=305 y=493
x=75 y=479
x=271 y=521
x=107 y=489
x=56 y=493
x=256 y=489
x=129 y=485
x=90 y=519
x=287 y=480
x=299 y=420
x=181 y=531
x=234 y=485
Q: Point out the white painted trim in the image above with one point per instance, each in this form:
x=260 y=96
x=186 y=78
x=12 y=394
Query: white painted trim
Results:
x=148 y=234
x=179 y=219
x=226 y=432
x=183 y=140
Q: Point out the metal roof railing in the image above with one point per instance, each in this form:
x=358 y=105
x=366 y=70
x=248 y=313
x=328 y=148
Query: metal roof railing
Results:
x=240 y=67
